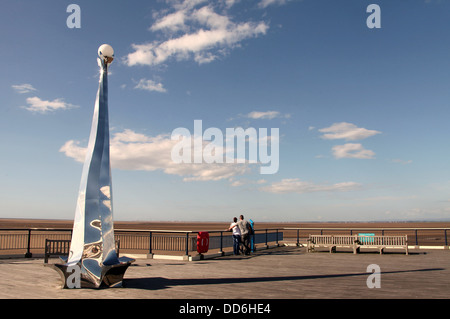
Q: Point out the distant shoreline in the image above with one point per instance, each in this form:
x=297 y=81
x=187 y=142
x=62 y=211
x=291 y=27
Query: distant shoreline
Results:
x=220 y=225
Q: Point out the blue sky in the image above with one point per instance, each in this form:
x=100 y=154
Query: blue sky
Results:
x=362 y=113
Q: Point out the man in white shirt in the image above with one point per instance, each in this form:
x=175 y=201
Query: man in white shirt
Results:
x=236 y=236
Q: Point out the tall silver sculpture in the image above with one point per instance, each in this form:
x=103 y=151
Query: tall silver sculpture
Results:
x=93 y=247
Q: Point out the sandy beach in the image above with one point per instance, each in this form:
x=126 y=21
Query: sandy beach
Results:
x=219 y=225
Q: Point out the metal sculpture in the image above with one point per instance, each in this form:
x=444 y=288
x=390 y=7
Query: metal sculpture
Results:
x=93 y=247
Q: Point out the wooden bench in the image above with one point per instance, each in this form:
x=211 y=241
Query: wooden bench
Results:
x=383 y=242
x=356 y=242
x=331 y=242
x=56 y=247
x=61 y=247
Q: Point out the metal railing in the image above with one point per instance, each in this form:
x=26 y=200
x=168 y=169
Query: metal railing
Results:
x=145 y=241
x=18 y=240
x=416 y=236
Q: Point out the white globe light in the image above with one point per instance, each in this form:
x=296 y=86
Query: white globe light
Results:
x=106 y=52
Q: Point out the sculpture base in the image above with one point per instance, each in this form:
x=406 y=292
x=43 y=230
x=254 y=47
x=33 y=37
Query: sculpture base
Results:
x=111 y=276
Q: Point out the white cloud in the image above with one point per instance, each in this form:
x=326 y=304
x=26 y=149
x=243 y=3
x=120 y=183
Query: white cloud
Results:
x=35 y=104
x=295 y=185
x=23 y=88
x=129 y=136
x=266 y=3
x=352 y=150
x=73 y=150
x=266 y=115
x=237 y=183
x=150 y=85
x=230 y=3
x=400 y=161
x=389 y=198
x=172 y=22
x=241 y=182
x=205 y=34
x=347 y=131
x=133 y=151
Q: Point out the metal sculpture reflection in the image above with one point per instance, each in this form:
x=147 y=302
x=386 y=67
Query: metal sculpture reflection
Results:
x=92 y=247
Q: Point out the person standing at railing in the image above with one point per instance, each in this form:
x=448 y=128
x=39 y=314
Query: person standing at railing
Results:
x=236 y=236
x=246 y=231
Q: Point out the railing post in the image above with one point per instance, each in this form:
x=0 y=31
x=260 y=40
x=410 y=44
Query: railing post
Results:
x=254 y=241
x=187 y=244
x=445 y=237
x=221 y=243
x=417 y=242
x=28 y=253
x=150 y=243
x=266 y=239
x=298 y=238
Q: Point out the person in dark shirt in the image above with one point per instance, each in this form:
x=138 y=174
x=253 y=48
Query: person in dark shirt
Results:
x=246 y=231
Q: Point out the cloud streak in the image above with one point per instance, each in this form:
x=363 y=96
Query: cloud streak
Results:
x=295 y=185
x=194 y=33
x=352 y=150
x=150 y=85
x=23 y=88
x=256 y=115
x=35 y=104
x=265 y=3
x=346 y=131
